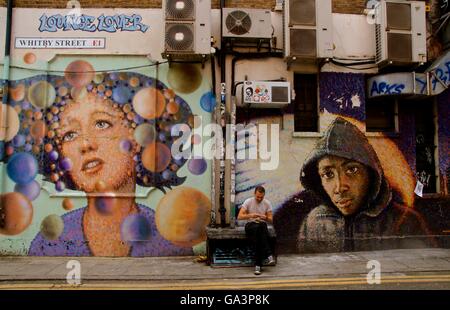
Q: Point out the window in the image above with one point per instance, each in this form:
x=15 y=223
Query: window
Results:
x=306 y=103
x=426 y=147
x=381 y=114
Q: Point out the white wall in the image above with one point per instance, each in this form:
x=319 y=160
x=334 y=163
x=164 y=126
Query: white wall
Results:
x=353 y=38
x=26 y=23
x=2 y=33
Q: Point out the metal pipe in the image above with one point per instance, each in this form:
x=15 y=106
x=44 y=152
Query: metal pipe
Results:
x=222 y=45
x=6 y=72
x=212 y=222
x=213 y=73
x=7 y=56
x=222 y=120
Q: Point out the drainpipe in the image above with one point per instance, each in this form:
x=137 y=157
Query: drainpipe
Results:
x=222 y=120
x=212 y=222
x=6 y=73
x=6 y=60
x=222 y=45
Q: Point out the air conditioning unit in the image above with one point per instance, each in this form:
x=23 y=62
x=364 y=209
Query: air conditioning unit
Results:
x=187 y=28
x=246 y=24
x=400 y=32
x=308 y=29
x=266 y=94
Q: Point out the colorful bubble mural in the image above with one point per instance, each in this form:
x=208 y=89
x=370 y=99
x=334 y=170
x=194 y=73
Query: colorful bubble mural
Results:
x=182 y=216
x=9 y=114
x=208 y=102
x=52 y=227
x=16 y=213
x=106 y=135
x=79 y=73
x=29 y=58
x=184 y=78
x=197 y=166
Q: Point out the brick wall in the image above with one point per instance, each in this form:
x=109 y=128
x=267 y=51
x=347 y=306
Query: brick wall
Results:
x=349 y=6
x=339 y=6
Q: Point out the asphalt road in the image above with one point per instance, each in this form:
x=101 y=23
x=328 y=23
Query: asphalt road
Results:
x=423 y=281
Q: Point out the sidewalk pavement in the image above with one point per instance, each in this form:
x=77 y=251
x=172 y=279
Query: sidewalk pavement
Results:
x=14 y=269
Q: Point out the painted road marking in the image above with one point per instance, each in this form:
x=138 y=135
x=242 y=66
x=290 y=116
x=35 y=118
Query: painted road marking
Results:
x=263 y=284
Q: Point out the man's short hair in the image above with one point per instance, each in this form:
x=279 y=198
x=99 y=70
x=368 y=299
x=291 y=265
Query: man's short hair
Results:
x=260 y=189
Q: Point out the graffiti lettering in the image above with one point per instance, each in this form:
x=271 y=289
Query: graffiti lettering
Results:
x=83 y=22
x=384 y=88
x=423 y=84
x=442 y=74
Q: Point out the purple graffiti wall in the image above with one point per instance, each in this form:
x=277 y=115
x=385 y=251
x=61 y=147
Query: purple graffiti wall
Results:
x=406 y=135
x=443 y=111
x=343 y=94
x=313 y=218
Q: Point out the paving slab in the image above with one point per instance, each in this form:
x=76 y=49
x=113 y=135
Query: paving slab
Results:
x=185 y=268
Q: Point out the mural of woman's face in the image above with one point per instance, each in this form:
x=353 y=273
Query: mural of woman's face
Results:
x=345 y=181
x=92 y=135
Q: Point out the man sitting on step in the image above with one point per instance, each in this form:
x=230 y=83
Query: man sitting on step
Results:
x=258 y=212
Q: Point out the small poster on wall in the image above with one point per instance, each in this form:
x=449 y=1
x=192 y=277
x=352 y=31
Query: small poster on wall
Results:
x=419 y=189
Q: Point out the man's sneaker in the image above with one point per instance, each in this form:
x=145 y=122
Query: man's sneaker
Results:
x=269 y=260
x=257 y=270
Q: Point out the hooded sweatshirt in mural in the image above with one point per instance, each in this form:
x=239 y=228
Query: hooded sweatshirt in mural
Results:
x=310 y=222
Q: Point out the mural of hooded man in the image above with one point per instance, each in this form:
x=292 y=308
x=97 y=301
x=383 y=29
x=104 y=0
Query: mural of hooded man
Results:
x=347 y=204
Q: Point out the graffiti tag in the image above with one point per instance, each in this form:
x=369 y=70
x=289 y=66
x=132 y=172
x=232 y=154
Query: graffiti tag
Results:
x=384 y=88
x=88 y=23
x=420 y=139
x=444 y=6
x=423 y=177
x=423 y=84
